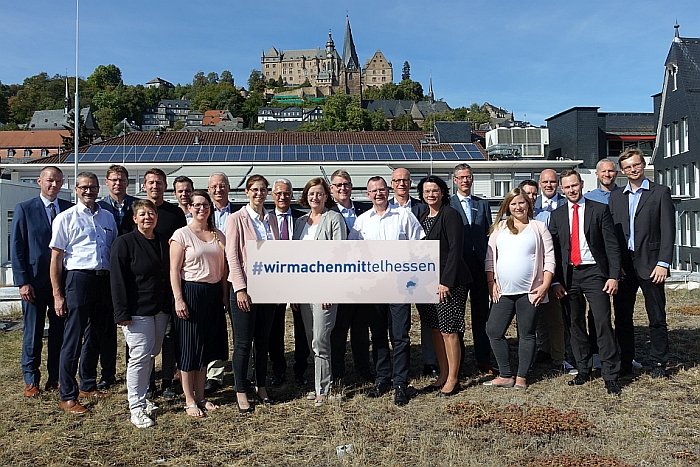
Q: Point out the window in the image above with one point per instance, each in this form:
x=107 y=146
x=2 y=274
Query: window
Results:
x=676 y=183
x=696 y=180
x=684 y=133
x=660 y=177
x=686 y=180
x=383 y=78
x=374 y=79
x=676 y=139
x=667 y=140
x=500 y=188
x=614 y=148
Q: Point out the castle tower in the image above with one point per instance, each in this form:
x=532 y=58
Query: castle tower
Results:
x=350 y=77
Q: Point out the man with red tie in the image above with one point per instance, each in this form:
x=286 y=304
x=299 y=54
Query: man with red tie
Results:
x=588 y=268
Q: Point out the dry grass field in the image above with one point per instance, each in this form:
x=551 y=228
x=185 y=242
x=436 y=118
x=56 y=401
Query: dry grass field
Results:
x=654 y=422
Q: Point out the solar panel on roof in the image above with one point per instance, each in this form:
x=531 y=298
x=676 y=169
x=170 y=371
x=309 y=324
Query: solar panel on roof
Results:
x=343 y=156
x=87 y=157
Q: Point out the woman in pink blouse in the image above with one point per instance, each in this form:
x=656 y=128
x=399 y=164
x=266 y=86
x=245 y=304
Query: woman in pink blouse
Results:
x=198 y=279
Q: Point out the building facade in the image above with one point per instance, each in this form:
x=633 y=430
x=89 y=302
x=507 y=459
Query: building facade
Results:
x=165 y=114
x=676 y=156
x=377 y=71
x=325 y=69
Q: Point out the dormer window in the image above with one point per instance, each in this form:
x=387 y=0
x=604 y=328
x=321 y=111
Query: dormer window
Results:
x=10 y=153
x=27 y=153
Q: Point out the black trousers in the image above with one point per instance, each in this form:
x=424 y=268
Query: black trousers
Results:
x=587 y=283
x=479 y=299
x=655 y=302
x=394 y=320
x=354 y=317
x=276 y=344
x=88 y=300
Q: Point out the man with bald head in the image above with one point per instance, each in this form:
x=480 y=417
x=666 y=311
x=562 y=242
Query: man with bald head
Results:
x=30 y=256
x=550 y=324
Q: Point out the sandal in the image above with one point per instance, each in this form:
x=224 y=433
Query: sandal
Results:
x=207 y=405
x=198 y=414
x=319 y=401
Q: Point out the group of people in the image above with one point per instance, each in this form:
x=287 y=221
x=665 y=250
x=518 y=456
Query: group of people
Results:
x=169 y=275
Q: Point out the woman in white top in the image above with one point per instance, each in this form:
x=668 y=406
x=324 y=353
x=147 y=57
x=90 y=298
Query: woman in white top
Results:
x=198 y=279
x=519 y=269
x=251 y=320
x=319 y=318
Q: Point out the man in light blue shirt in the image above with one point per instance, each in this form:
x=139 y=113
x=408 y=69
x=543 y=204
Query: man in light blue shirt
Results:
x=606 y=173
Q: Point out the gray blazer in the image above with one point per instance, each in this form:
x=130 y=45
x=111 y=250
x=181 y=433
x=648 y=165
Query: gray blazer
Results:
x=331 y=227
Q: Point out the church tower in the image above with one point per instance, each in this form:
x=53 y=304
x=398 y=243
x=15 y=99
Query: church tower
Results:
x=351 y=65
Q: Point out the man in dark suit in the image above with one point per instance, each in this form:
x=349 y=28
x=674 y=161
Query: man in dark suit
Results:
x=551 y=328
x=117 y=202
x=476 y=218
x=588 y=267
x=401 y=186
x=350 y=315
x=647 y=238
x=286 y=217
x=30 y=256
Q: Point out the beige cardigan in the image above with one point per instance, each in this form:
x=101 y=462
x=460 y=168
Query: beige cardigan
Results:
x=239 y=229
x=544 y=255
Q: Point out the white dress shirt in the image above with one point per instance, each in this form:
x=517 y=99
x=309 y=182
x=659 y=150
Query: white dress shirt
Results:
x=586 y=255
x=261 y=225
x=394 y=224
x=85 y=237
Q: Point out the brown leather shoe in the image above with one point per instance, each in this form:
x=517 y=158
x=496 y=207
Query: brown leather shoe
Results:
x=30 y=390
x=52 y=386
x=487 y=368
x=72 y=407
x=93 y=394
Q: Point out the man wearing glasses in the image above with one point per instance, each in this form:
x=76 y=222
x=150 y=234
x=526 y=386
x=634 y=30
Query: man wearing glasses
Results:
x=286 y=217
x=401 y=186
x=387 y=222
x=81 y=241
x=219 y=189
x=351 y=317
x=118 y=203
x=476 y=219
x=644 y=219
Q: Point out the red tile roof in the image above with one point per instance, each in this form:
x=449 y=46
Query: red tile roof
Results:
x=37 y=139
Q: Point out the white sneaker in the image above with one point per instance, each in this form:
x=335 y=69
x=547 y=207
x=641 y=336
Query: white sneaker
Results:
x=596 y=361
x=150 y=407
x=636 y=365
x=569 y=368
x=141 y=420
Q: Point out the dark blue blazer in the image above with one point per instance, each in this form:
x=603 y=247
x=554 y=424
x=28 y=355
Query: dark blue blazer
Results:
x=475 y=234
x=29 y=243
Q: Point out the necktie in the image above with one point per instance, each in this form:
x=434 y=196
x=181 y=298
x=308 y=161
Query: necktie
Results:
x=575 y=245
x=52 y=211
x=468 y=209
x=284 y=228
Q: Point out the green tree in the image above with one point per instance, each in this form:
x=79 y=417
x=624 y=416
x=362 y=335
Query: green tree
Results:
x=388 y=91
x=179 y=125
x=199 y=79
x=106 y=119
x=371 y=93
x=358 y=119
x=474 y=113
x=410 y=90
x=256 y=83
x=250 y=108
x=404 y=123
x=83 y=137
x=226 y=77
x=379 y=121
x=213 y=78
x=105 y=77
x=406 y=71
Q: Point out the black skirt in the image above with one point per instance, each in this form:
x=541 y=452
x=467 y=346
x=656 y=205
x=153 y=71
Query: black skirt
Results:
x=203 y=336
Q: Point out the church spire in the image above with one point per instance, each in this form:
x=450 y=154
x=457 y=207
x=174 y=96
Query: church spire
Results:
x=431 y=96
x=677 y=37
x=350 y=60
x=66 y=99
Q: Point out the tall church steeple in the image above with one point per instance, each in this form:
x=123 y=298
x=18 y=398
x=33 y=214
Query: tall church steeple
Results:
x=431 y=96
x=350 y=60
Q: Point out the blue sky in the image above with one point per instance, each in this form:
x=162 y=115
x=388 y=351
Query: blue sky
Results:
x=533 y=58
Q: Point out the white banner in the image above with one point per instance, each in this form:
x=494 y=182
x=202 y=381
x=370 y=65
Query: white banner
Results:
x=347 y=271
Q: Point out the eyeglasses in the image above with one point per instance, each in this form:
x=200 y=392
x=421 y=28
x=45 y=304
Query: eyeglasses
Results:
x=218 y=187
x=342 y=185
x=636 y=165
x=401 y=180
x=282 y=194
x=378 y=190
x=464 y=177
x=85 y=188
x=201 y=205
